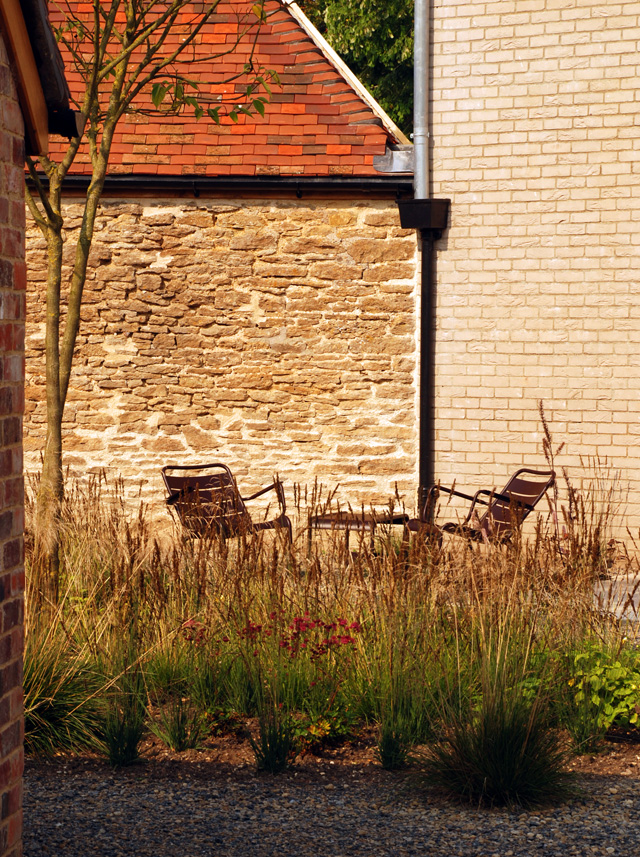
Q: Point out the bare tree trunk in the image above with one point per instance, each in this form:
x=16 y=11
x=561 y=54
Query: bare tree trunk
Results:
x=51 y=486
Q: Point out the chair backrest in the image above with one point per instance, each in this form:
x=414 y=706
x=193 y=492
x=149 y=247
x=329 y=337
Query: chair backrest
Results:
x=525 y=486
x=206 y=498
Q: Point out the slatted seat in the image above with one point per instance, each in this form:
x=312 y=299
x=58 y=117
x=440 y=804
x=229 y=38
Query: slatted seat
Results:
x=207 y=501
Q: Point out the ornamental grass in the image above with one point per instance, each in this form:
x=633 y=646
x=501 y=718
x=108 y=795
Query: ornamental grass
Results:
x=429 y=644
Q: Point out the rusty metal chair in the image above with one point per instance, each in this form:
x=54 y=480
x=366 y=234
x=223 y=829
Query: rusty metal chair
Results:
x=207 y=501
x=505 y=513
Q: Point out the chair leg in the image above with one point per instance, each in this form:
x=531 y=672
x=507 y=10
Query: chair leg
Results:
x=287 y=523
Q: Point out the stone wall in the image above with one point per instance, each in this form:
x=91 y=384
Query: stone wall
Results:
x=12 y=290
x=271 y=335
x=535 y=140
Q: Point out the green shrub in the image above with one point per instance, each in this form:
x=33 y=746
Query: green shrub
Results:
x=600 y=690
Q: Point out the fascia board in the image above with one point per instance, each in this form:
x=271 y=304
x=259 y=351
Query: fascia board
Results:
x=32 y=103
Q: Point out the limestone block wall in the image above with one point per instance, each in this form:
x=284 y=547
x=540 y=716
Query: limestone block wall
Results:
x=271 y=335
x=12 y=290
x=536 y=141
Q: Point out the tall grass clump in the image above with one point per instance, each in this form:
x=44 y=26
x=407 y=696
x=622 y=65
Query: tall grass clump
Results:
x=61 y=711
x=425 y=646
x=123 y=725
x=496 y=742
x=179 y=725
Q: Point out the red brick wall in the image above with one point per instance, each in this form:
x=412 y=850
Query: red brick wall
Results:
x=12 y=292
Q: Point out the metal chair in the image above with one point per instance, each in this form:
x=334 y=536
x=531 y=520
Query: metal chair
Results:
x=505 y=513
x=207 y=501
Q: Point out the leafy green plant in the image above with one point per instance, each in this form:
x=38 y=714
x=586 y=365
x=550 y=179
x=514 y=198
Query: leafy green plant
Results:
x=179 y=725
x=600 y=691
x=312 y=734
x=613 y=689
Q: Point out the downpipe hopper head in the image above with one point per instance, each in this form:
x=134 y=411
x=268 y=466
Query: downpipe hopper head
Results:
x=396 y=159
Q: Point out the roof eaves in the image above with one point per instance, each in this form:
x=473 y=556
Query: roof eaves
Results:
x=29 y=86
x=50 y=65
x=388 y=123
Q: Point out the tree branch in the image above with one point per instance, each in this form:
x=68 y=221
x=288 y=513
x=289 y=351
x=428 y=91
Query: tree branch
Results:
x=52 y=216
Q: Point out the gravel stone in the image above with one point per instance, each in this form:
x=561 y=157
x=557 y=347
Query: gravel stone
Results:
x=97 y=812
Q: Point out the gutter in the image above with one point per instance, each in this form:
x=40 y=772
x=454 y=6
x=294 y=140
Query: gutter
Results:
x=196 y=185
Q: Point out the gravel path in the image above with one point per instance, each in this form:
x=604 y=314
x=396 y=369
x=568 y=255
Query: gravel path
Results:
x=96 y=813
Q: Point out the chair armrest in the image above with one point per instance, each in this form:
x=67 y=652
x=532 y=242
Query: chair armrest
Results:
x=456 y=493
x=259 y=493
x=279 y=491
x=432 y=496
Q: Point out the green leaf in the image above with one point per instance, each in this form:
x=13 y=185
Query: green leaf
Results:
x=158 y=93
x=258 y=105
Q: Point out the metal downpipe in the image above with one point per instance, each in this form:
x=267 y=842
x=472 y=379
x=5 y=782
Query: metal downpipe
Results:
x=421 y=180
x=421 y=64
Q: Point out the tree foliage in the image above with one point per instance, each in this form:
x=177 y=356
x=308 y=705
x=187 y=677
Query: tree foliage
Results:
x=375 y=39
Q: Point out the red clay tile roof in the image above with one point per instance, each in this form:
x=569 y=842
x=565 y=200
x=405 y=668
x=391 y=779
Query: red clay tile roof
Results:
x=317 y=122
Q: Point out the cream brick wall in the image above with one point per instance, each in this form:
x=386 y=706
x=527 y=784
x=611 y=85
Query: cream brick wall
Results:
x=275 y=336
x=535 y=140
